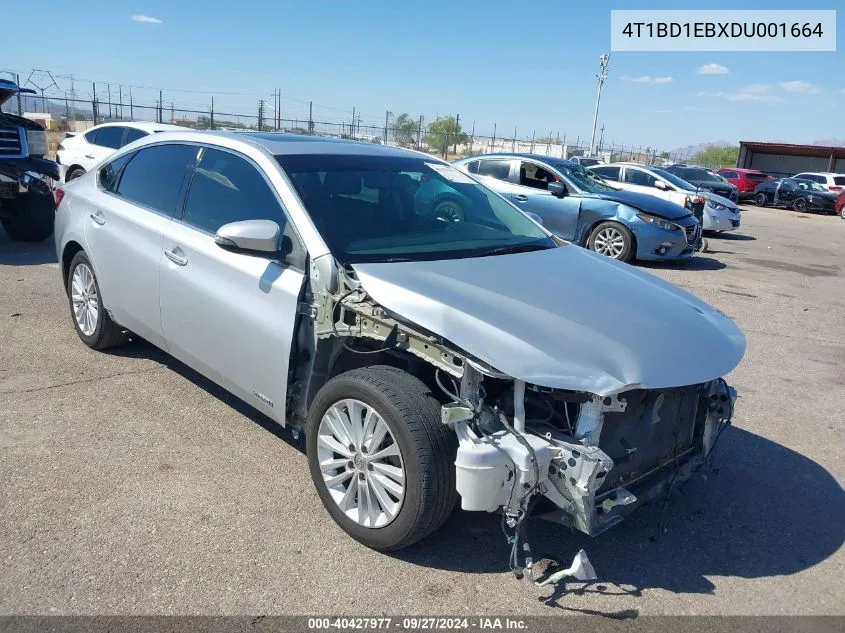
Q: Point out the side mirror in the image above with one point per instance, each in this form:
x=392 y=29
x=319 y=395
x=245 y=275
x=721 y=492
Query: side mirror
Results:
x=256 y=236
x=557 y=189
x=661 y=184
x=534 y=217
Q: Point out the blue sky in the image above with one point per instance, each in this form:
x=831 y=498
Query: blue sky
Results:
x=498 y=61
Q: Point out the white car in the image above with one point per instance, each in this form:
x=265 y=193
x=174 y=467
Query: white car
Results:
x=717 y=212
x=827 y=179
x=80 y=152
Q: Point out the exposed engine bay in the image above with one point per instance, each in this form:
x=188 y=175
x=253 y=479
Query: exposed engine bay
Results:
x=577 y=458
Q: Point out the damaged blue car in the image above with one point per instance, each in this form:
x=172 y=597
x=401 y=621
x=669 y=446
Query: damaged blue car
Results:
x=584 y=209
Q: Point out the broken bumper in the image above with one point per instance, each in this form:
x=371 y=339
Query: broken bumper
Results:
x=495 y=470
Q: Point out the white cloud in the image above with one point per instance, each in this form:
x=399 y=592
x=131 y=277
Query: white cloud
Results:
x=799 y=86
x=751 y=92
x=145 y=19
x=713 y=69
x=647 y=79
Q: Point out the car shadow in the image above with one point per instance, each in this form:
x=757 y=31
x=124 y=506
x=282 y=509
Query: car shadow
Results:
x=729 y=236
x=139 y=348
x=26 y=253
x=756 y=512
x=698 y=262
x=759 y=509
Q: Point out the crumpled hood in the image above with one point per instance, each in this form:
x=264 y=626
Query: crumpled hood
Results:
x=645 y=202
x=564 y=318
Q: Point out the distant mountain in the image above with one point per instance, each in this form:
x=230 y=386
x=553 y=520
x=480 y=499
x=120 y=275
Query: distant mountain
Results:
x=691 y=150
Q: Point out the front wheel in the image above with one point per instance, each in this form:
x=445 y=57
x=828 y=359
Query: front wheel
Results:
x=842 y=213
x=612 y=239
x=380 y=458
x=760 y=199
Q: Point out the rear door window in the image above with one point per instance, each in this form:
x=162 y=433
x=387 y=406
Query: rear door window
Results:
x=498 y=169
x=111 y=136
x=133 y=134
x=729 y=174
x=154 y=176
x=110 y=172
x=839 y=180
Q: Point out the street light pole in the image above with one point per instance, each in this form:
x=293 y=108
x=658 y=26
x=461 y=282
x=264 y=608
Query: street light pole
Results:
x=605 y=60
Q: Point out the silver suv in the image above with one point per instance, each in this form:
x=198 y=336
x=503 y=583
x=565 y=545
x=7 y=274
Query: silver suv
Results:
x=429 y=352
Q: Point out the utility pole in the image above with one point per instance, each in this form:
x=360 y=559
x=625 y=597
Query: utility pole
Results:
x=386 y=118
x=94 y=102
x=472 y=138
x=493 y=140
x=18 y=83
x=211 y=121
x=601 y=138
x=352 y=127
x=513 y=140
x=419 y=132
x=108 y=88
x=457 y=131
x=120 y=100
x=172 y=114
x=605 y=60
x=310 y=117
x=131 y=105
x=260 y=115
x=160 y=106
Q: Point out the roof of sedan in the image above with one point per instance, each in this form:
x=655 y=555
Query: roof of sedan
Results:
x=540 y=157
x=284 y=143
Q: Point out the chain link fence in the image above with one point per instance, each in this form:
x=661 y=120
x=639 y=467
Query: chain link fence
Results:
x=63 y=114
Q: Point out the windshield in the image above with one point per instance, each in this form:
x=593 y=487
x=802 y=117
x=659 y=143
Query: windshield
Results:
x=388 y=208
x=584 y=180
x=810 y=185
x=695 y=173
x=673 y=179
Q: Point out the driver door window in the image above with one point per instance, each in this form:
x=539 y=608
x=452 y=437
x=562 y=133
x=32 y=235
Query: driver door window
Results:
x=498 y=169
x=638 y=177
x=534 y=176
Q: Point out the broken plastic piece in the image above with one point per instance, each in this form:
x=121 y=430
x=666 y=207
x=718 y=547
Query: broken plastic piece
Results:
x=581 y=569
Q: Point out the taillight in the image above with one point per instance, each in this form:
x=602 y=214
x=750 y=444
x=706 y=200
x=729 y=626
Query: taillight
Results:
x=835 y=188
x=60 y=193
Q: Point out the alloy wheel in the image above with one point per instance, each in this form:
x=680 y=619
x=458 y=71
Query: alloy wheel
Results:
x=83 y=296
x=361 y=463
x=760 y=199
x=800 y=204
x=609 y=241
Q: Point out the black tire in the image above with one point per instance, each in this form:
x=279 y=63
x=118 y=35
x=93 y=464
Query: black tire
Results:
x=628 y=251
x=841 y=213
x=428 y=450
x=31 y=217
x=74 y=173
x=107 y=333
x=448 y=208
x=760 y=199
x=800 y=205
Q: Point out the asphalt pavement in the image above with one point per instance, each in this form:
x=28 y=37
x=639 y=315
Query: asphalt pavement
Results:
x=132 y=485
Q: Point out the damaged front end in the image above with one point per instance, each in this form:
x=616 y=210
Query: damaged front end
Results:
x=570 y=456
x=592 y=459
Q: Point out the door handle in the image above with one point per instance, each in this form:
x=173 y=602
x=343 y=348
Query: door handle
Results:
x=98 y=218
x=177 y=259
x=520 y=198
x=90 y=156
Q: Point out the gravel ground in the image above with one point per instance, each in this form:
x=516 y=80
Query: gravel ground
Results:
x=131 y=485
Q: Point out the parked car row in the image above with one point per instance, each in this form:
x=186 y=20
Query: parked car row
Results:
x=797 y=194
x=431 y=341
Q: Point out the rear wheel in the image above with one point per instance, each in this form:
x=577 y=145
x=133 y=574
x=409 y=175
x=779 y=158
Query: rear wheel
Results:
x=612 y=239
x=380 y=458
x=800 y=205
x=93 y=324
x=31 y=216
x=760 y=199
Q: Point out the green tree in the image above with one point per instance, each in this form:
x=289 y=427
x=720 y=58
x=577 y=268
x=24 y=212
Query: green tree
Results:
x=724 y=156
x=404 y=129
x=444 y=132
